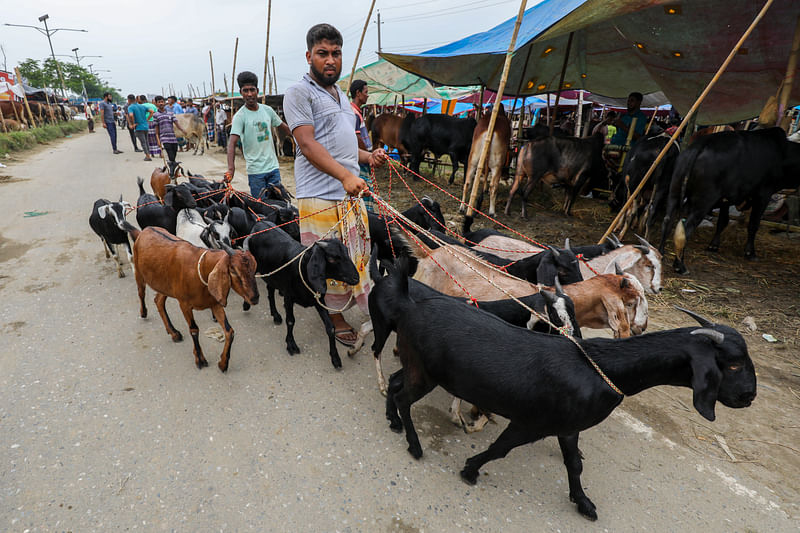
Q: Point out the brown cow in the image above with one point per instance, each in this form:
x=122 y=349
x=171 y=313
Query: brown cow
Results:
x=194 y=129
x=385 y=129
x=14 y=110
x=13 y=125
x=495 y=160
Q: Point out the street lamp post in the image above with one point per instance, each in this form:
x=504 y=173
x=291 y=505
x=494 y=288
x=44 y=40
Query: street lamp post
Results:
x=78 y=60
x=48 y=32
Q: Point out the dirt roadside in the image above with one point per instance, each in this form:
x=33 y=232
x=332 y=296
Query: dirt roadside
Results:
x=106 y=425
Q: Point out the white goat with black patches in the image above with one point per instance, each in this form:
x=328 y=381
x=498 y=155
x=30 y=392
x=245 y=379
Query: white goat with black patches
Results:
x=108 y=222
x=201 y=231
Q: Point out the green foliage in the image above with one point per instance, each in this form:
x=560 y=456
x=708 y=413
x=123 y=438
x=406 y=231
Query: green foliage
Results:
x=75 y=77
x=16 y=141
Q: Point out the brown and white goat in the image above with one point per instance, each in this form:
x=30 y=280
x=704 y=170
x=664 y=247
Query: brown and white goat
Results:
x=161 y=176
x=615 y=301
x=197 y=278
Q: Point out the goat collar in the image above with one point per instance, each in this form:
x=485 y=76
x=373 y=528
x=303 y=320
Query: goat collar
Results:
x=199 y=275
x=318 y=296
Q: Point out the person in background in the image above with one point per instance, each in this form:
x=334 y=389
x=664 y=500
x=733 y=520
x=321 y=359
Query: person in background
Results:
x=623 y=122
x=131 y=101
x=606 y=126
x=107 y=119
x=220 y=119
x=173 y=105
x=326 y=167
x=359 y=93
x=165 y=134
x=208 y=118
x=152 y=142
x=253 y=124
x=87 y=110
x=137 y=119
x=190 y=108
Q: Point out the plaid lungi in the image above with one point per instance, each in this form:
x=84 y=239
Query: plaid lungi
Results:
x=355 y=229
x=364 y=172
x=151 y=139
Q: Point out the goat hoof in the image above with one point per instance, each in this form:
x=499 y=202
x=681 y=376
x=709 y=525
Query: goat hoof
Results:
x=679 y=267
x=585 y=507
x=277 y=320
x=415 y=451
x=713 y=248
x=245 y=306
x=200 y=363
x=292 y=349
x=396 y=426
x=469 y=477
x=336 y=362
x=121 y=274
x=177 y=337
x=222 y=366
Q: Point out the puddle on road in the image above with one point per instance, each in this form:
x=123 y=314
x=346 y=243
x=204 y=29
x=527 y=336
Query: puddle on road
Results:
x=39 y=287
x=10 y=249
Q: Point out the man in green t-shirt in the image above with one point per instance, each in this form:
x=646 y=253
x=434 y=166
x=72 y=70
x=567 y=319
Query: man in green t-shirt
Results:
x=252 y=125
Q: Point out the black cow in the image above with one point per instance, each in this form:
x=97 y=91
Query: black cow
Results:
x=652 y=198
x=568 y=161
x=742 y=168
x=441 y=134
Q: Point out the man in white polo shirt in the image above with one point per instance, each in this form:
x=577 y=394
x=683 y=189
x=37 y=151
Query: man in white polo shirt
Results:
x=326 y=165
x=253 y=124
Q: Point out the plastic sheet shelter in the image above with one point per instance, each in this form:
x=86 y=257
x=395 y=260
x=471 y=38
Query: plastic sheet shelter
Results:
x=619 y=46
x=385 y=81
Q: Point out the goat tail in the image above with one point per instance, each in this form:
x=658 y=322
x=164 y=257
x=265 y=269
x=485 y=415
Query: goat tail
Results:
x=401 y=273
x=374 y=271
x=140 y=183
x=132 y=230
x=409 y=246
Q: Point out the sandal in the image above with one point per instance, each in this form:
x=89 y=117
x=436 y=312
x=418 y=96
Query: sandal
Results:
x=346 y=336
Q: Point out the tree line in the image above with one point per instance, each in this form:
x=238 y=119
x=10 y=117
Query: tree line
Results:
x=45 y=74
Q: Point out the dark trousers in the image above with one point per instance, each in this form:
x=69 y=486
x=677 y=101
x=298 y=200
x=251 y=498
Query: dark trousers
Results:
x=142 y=136
x=90 y=122
x=171 y=149
x=221 y=137
x=112 y=132
x=133 y=139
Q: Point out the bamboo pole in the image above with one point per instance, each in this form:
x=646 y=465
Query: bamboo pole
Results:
x=233 y=73
x=225 y=80
x=3 y=119
x=561 y=82
x=487 y=140
x=650 y=123
x=213 y=94
x=24 y=95
x=788 y=80
x=579 y=117
x=274 y=76
x=266 y=57
x=689 y=115
x=49 y=107
x=16 y=111
x=361 y=42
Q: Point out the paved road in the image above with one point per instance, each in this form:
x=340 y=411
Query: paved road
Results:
x=106 y=425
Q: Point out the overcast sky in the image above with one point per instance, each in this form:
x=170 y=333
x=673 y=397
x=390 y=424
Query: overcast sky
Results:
x=155 y=43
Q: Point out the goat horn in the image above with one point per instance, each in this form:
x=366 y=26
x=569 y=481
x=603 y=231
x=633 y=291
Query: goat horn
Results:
x=566 y=245
x=712 y=334
x=702 y=320
x=549 y=296
x=643 y=241
x=120 y=197
x=617 y=270
x=554 y=250
x=615 y=240
x=559 y=288
x=644 y=249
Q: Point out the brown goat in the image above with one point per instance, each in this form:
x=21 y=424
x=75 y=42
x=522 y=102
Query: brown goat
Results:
x=607 y=301
x=162 y=176
x=197 y=278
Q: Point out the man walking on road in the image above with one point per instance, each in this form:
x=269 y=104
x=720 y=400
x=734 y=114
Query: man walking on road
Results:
x=164 y=119
x=252 y=125
x=326 y=166
x=131 y=101
x=107 y=118
x=137 y=119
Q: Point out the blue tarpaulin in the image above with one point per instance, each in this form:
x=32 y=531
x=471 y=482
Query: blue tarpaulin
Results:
x=621 y=46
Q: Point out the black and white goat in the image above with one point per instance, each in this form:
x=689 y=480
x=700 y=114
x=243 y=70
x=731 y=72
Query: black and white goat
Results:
x=543 y=383
x=202 y=231
x=107 y=220
x=149 y=212
x=302 y=281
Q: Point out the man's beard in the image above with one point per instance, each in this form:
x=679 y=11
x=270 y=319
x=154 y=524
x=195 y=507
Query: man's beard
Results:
x=325 y=80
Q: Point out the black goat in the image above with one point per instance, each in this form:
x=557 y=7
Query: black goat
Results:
x=427 y=216
x=304 y=285
x=107 y=220
x=242 y=222
x=149 y=212
x=542 y=383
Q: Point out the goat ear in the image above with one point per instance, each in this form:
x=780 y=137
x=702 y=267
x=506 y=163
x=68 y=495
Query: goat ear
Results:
x=315 y=269
x=706 y=378
x=617 y=318
x=102 y=210
x=219 y=281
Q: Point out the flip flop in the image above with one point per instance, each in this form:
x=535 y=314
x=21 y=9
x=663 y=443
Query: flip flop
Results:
x=346 y=342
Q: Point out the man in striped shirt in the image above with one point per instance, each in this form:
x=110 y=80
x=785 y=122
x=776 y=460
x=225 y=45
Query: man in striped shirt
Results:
x=164 y=119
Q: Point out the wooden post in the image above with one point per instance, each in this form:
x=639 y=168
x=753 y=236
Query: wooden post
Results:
x=24 y=95
x=360 y=42
x=487 y=140
x=561 y=82
x=205 y=92
x=689 y=115
x=50 y=107
x=274 y=75
x=395 y=105
x=225 y=80
x=425 y=106
x=266 y=57
x=579 y=117
x=233 y=73
x=650 y=123
x=480 y=104
x=213 y=94
x=548 y=108
x=788 y=80
x=3 y=119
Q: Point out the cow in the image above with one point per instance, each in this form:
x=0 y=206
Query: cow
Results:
x=496 y=158
x=651 y=199
x=741 y=168
x=565 y=160
x=195 y=130
x=385 y=129
x=14 y=110
x=441 y=134
x=13 y=125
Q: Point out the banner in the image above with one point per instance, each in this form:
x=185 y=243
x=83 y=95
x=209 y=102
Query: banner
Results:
x=6 y=82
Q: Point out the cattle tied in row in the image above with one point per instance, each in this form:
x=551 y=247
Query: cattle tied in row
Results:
x=441 y=134
x=495 y=161
x=741 y=168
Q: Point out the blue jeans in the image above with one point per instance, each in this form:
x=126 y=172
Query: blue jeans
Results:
x=259 y=181
x=112 y=132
